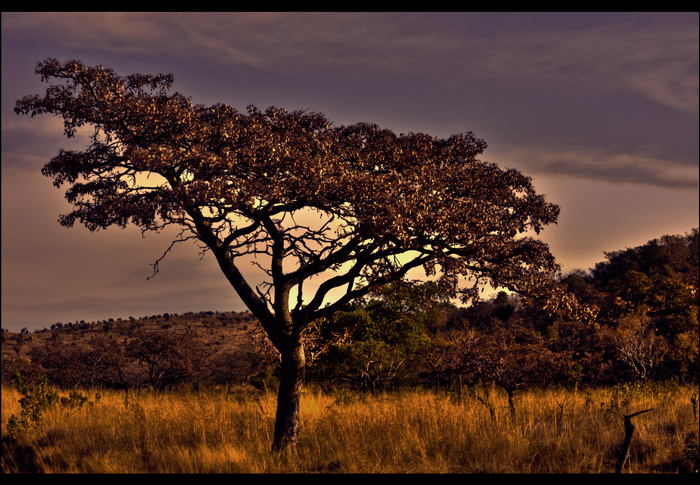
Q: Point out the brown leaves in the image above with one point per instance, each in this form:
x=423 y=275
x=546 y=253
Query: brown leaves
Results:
x=389 y=193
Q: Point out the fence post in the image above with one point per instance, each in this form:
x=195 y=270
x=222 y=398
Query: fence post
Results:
x=629 y=429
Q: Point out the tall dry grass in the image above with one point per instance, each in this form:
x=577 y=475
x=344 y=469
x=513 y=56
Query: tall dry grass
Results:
x=406 y=432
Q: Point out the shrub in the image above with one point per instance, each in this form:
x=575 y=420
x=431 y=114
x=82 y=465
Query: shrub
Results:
x=35 y=399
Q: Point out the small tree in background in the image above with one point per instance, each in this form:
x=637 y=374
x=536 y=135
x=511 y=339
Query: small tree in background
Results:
x=375 y=340
x=168 y=359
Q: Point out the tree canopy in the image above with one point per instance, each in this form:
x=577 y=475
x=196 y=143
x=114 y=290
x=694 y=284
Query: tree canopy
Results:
x=238 y=182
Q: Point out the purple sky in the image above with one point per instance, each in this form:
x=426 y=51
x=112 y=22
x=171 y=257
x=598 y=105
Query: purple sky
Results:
x=601 y=109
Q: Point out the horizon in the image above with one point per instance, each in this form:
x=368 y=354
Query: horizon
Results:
x=490 y=294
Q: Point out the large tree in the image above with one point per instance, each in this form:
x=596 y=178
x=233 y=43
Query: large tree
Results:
x=355 y=206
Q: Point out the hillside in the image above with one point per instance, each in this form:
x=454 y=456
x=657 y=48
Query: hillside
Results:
x=226 y=339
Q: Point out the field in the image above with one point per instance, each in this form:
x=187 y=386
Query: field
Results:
x=230 y=431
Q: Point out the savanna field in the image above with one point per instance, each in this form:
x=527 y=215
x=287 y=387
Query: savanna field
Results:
x=421 y=431
x=400 y=382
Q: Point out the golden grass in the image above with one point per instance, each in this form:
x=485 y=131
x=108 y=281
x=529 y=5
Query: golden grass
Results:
x=406 y=432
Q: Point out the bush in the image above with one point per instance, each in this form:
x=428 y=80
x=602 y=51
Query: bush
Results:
x=35 y=400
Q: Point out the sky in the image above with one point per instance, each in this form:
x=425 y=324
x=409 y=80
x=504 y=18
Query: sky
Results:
x=600 y=109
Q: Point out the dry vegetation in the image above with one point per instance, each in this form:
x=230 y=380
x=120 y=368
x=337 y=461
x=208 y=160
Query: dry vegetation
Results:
x=229 y=431
x=217 y=331
x=212 y=346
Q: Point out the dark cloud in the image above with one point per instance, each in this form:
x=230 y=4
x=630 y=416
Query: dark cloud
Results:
x=646 y=165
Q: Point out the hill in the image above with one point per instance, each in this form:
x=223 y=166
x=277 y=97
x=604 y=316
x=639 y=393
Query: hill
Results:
x=162 y=349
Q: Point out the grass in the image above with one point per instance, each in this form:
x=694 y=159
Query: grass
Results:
x=553 y=431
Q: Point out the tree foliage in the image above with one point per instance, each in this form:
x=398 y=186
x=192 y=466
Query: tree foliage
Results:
x=374 y=341
x=238 y=181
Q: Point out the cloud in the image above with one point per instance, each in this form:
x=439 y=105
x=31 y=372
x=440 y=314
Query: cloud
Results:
x=653 y=58
x=29 y=143
x=646 y=165
x=671 y=85
x=285 y=42
x=660 y=64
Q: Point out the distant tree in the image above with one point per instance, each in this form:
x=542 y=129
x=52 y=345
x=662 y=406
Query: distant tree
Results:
x=581 y=285
x=355 y=206
x=448 y=358
x=658 y=276
x=505 y=308
x=231 y=366
x=512 y=362
x=375 y=340
x=638 y=346
x=13 y=364
x=168 y=359
x=80 y=365
x=656 y=283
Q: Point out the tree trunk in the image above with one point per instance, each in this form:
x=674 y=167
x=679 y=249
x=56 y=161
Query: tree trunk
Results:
x=289 y=395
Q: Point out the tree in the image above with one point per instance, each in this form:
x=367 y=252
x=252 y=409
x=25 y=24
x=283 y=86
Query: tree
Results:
x=82 y=365
x=355 y=206
x=513 y=361
x=167 y=358
x=638 y=346
x=375 y=339
x=660 y=277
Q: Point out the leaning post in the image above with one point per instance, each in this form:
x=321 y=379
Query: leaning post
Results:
x=629 y=429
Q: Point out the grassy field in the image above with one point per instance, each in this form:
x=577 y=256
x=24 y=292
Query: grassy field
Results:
x=405 y=432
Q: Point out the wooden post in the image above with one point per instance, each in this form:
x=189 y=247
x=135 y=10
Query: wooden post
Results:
x=629 y=429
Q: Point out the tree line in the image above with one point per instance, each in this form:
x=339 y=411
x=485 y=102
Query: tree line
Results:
x=646 y=328
x=410 y=334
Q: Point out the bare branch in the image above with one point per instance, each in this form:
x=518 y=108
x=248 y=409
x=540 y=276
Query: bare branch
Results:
x=172 y=244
